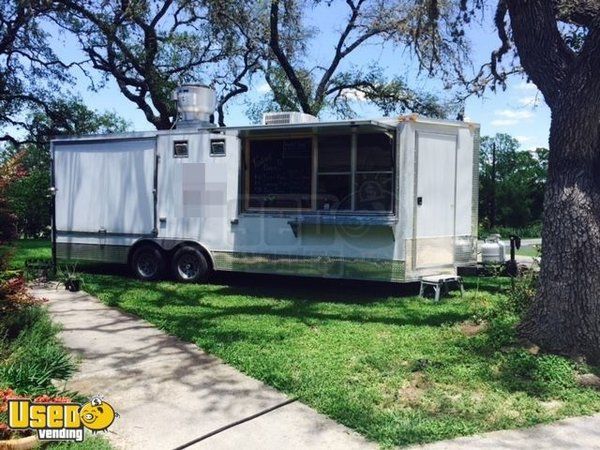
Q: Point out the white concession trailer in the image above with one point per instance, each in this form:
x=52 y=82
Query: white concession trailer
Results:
x=390 y=200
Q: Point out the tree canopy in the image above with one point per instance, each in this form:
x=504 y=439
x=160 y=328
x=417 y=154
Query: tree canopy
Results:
x=30 y=72
x=511 y=183
x=297 y=82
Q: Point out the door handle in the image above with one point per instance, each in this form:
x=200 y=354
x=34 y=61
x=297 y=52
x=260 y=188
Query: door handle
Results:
x=419 y=201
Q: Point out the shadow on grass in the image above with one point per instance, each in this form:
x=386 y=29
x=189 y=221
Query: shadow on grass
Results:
x=279 y=286
x=306 y=305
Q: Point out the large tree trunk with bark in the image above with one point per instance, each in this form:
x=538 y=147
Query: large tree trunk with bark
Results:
x=565 y=315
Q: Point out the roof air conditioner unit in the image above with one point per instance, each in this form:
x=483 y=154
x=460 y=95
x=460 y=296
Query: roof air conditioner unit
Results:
x=287 y=118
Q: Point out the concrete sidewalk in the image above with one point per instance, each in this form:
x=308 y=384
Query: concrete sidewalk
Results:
x=573 y=433
x=168 y=392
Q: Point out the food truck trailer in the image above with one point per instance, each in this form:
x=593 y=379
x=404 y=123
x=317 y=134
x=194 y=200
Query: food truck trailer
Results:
x=390 y=199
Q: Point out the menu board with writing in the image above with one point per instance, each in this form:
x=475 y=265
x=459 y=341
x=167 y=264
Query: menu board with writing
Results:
x=280 y=173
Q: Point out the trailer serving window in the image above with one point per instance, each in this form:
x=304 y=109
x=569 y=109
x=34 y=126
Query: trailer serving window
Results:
x=355 y=172
x=334 y=174
x=374 y=172
x=325 y=173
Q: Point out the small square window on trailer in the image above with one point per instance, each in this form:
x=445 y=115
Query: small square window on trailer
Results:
x=386 y=199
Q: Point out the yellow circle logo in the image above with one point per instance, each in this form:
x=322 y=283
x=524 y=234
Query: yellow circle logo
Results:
x=97 y=415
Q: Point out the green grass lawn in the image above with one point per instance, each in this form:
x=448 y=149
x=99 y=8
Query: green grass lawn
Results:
x=398 y=369
x=29 y=249
x=90 y=443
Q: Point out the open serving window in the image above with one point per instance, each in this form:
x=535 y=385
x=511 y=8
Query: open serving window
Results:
x=343 y=169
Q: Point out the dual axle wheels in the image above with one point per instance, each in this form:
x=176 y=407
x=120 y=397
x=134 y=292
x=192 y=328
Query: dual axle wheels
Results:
x=187 y=264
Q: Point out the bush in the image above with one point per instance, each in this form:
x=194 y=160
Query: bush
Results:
x=14 y=295
x=11 y=170
x=521 y=294
x=28 y=198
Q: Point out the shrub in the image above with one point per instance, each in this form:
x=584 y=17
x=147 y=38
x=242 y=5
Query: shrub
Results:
x=14 y=295
x=10 y=171
x=521 y=294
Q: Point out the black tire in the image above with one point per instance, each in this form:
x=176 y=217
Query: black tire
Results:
x=148 y=263
x=189 y=265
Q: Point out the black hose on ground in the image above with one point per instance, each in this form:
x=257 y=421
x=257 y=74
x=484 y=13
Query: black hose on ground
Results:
x=236 y=423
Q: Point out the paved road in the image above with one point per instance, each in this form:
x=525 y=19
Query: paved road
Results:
x=168 y=392
x=524 y=242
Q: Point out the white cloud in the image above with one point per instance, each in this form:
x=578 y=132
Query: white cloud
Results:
x=514 y=114
x=507 y=117
x=264 y=88
x=504 y=122
x=530 y=100
x=524 y=86
x=354 y=94
x=523 y=139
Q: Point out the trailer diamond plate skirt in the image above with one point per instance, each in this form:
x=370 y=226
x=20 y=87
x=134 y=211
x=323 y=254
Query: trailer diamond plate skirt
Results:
x=315 y=266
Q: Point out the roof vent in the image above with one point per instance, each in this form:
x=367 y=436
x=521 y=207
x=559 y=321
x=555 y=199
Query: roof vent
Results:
x=195 y=104
x=287 y=118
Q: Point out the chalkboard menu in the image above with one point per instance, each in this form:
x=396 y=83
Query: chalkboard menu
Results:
x=279 y=173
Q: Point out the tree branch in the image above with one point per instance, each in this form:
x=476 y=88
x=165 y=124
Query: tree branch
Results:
x=283 y=60
x=584 y=13
x=542 y=51
x=339 y=51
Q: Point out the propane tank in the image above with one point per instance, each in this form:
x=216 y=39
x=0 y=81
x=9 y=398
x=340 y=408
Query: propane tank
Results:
x=493 y=251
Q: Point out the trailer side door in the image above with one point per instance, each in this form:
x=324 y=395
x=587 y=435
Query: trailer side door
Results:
x=436 y=199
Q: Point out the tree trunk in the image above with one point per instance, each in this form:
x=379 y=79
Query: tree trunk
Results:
x=493 y=199
x=565 y=314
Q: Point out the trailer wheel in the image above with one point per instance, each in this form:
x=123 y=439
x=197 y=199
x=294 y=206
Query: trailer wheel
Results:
x=148 y=263
x=189 y=265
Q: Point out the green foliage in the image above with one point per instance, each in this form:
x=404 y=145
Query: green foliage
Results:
x=30 y=200
x=28 y=197
x=334 y=83
x=90 y=443
x=30 y=72
x=29 y=249
x=12 y=324
x=11 y=171
x=520 y=296
x=511 y=186
x=35 y=356
x=399 y=370
x=390 y=96
x=546 y=376
x=534 y=230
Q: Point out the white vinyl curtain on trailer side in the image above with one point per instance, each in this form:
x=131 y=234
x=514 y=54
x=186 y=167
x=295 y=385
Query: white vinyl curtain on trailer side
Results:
x=104 y=189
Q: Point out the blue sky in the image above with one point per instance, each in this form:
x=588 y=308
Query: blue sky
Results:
x=519 y=111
